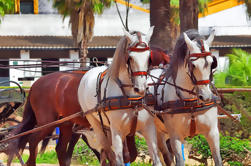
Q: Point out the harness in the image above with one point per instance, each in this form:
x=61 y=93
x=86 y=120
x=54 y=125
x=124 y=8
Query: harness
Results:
x=123 y=102
x=159 y=56
x=185 y=105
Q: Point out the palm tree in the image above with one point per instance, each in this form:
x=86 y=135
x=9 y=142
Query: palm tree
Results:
x=6 y=7
x=188 y=14
x=163 y=15
x=170 y=17
x=189 y=10
x=81 y=14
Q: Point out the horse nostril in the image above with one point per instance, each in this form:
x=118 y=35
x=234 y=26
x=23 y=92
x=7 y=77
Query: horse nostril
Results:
x=136 y=89
x=200 y=97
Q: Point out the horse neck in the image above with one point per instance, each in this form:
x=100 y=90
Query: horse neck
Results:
x=184 y=81
x=124 y=77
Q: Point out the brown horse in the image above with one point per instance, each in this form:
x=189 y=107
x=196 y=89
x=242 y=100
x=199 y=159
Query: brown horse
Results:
x=52 y=97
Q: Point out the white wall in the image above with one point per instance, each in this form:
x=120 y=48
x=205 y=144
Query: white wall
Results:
x=233 y=21
x=35 y=25
x=53 y=24
x=21 y=73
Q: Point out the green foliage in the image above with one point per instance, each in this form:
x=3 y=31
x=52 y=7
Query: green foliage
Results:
x=145 y=1
x=141 y=145
x=240 y=67
x=65 y=7
x=203 y=5
x=238 y=103
x=234 y=151
x=83 y=154
x=49 y=157
x=239 y=72
x=6 y=7
x=200 y=146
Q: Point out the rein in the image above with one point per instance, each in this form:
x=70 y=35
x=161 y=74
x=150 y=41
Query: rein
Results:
x=163 y=82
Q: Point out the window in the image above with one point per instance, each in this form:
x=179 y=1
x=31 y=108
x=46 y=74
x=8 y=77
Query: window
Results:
x=4 y=72
x=26 y=7
x=49 y=66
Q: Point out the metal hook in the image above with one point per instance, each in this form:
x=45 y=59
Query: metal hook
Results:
x=95 y=60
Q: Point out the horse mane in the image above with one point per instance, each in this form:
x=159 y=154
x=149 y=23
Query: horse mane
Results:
x=120 y=56
x=180 y=51
x=119 y=59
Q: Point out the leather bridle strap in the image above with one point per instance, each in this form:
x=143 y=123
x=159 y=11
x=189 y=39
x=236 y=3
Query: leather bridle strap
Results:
x=202 y=82
x=139 y=73
x=135 y=49
x=203 y=54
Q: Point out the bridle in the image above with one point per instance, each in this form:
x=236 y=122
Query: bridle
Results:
x=132 y=74
x=190 y=73
x=191 y=68
x=144 y=47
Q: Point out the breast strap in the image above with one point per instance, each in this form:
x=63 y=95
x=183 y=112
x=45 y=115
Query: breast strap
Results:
x=186 y=106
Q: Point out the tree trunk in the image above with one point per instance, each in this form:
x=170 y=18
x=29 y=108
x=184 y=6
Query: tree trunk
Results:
x=188 y=14
x=160 y=18
x=82 y=23
x=83 y=51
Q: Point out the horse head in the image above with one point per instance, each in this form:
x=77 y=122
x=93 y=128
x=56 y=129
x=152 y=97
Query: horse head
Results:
x=137 y=59
x=199 y=64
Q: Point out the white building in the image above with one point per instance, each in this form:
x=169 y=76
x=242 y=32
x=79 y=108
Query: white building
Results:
x=45 y=36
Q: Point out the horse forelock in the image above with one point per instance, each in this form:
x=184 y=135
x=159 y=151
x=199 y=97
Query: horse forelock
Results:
x=180 y=50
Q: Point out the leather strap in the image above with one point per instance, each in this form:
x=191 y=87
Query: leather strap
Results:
x=139 y=73
x=203 y=54
x=202 y=82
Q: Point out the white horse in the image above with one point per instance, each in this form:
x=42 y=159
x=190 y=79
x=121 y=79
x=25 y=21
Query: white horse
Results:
x=184 y=91
x=126 y=76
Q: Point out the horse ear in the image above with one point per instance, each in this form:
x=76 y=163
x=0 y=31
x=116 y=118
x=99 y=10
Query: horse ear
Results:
x=149 y=34
x=189 y=43
x=128 y=35
x=210 y=38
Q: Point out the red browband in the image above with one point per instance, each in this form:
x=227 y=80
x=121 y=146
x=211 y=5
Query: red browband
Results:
x=135 y=49
x=203 y=82
x=139 y=73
